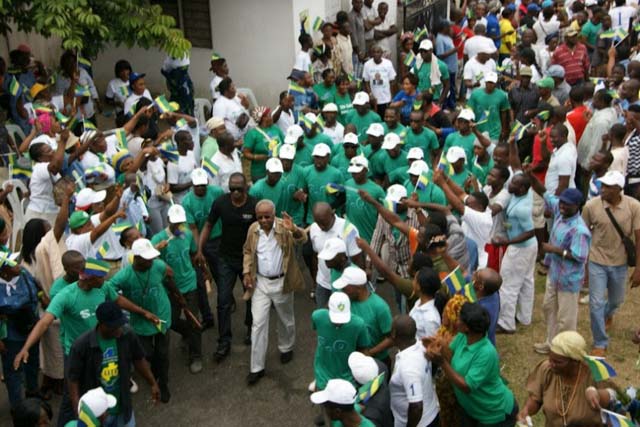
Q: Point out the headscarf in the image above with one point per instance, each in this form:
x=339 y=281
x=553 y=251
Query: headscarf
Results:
x=406 y=36
x=569 y=344
x=45 y=122
x=451 y=313
x=259 y=112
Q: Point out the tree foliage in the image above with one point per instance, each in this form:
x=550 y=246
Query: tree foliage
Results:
x=90 y=25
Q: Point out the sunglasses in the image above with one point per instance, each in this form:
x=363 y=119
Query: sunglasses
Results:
x=236 y=189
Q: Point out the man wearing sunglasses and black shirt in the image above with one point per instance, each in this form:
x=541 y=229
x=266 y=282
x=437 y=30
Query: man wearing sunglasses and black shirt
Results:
x=237 y=211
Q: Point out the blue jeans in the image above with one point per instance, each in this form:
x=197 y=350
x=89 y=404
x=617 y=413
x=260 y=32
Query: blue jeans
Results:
x=612 y=281
x=230 y=270
x=28 y=372
x=118 y=421
x=450 y=98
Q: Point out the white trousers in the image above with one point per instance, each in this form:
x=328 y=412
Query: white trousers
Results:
x=517 y=290
x=269 y=292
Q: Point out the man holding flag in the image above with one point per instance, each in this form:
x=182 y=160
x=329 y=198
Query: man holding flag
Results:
x=361 y=214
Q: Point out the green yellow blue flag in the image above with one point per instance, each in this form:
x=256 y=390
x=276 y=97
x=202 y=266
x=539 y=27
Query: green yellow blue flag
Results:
x=600 y=369
x=410 y=59
x=124 y=91
x=211 y=168
x=86 y=416
x=295 y=88
x=163 y=105
x=423 y=181
x=82 y=90
x=317 y=23
x=349 y=231
x=616 y=420
x=368 y=390
x=455 y=281
x=333 y=188
x=15 y=88
x=96 y=267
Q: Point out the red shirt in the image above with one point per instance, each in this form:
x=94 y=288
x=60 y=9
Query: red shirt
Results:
x=575 y=63
x=459 y=36
x=536 y=152
x=578 y=120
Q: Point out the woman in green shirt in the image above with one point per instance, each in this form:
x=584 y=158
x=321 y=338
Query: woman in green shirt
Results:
x=260 y=143
x=326 y=89
x=342 y=98
x=472 y=365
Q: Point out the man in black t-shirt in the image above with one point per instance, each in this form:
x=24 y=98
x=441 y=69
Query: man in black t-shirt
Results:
x=237 y=211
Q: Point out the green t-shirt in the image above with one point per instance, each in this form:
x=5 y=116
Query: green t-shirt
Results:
x=110 y=370
x=377 y=317
x=427 y=140
x=145 y=289
x=340 y=162
x=325 y=94
x=335 y=344
x=430 y=194
x=262 y=190
x=209 y=147
x=316 y=184
x=376 y=161
x=361 y=214
x=303 y=156
x=59 y=284
x=455 y=139
x=590 y=31
x=390 y=164
x=256 y=142
x=177 y=254
x=494 y=102
x=317 y=139
x=198 y=208
x=488 y=399
x=481 y=171
x=293 y=181
x=424 y=77
x=398 y=175
x=460 y=178
x=76 y=309
x=362 y=122
x=343 y=102
x=398 y=130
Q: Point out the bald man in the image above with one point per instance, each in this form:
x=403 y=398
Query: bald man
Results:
x=486 y=283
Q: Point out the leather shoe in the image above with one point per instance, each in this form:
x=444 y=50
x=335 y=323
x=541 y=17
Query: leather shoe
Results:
x=286 y=357
x=254 y=377
x=221 y=353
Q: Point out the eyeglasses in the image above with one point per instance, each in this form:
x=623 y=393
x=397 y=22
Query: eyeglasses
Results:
x=236 y=189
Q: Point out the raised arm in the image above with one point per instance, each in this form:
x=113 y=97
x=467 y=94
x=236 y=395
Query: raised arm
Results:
x=393 y=219
x=105 y=225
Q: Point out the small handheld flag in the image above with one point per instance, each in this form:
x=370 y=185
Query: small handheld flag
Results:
x=349 y=231
x=97 y=268
x=617 y=420
x=61 y=117
x=544 y=115
x=169 y=152
x=20 y=172
x=423 y=181
x=119 y=227
x=86 y=416
x=124 y=91
x=121 y=138
x=417 y=105
x=82 y=90
x=180 y=123
x=211 y=168
x=600 y=369
x=410 y=59
x=455 y=281
x=103 y=250
x=445 y=166
x=14 y=87
x=390 y=205
x=369 y=389
x=88 y=125
x=470 y=292
x=420 y=33
x=333 y=188
x=163 y=105
x=317 y=23
x=484 y=118
x=295 y=88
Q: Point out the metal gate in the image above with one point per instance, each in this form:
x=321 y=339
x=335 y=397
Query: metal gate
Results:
x=421 y=13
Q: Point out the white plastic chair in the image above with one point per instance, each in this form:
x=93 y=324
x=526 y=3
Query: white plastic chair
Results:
x=253 y=102
x=16 y=133
x=202 y=110
x=18 y=207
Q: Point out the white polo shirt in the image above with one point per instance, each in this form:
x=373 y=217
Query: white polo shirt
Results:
x=226 y=167
x=411 y=383
x=180 y=173
x=427 y=319
x=116 y=251
x=477 y=227
x=41 y=189
x=133 y=98
x=319 y=237
x=562 y=162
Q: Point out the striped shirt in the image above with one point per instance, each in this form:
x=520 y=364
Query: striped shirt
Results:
x=575 y=62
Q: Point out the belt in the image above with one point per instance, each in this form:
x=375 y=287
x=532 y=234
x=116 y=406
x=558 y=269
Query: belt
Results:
x=279 y=276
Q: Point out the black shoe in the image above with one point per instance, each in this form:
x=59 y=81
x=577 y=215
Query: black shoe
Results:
x=286 y=357
x=221 y=352
x=208 y=324
x=165 y=395
x=254 y=377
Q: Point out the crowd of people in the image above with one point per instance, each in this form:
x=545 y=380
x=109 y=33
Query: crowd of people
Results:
x=504 y=146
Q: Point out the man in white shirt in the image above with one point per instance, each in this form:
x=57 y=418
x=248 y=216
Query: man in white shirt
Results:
x=562 y=163
x=138 y=89
x=385 y=32
x=303 y=58
x=220 y=70
x=270 y=269
x=413 y=396
x=474 y=44
x=621 y=15
x=283 y=115
x=332 y=128
x=378 y=73
x=87 y=238
x=327 y=225
x=231 y=106
x=478 y=67
x=227 y=160
x=179 y=173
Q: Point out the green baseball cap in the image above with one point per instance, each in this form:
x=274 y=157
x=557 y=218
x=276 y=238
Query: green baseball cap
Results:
x=78 y=219
x=546 y=83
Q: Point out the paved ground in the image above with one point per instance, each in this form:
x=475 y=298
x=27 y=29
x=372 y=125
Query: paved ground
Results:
x=219 y=395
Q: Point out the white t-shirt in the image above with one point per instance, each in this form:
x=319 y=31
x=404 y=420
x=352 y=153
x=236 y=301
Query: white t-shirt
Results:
x=116 y=251
x=226 y=167
x=134 y=145
x=543 y=29
x=336 y=133
x=303 y=61
x=620 y=17
x=45 y=139
x=562 y=162
x=213 y=87
x=387 y=44
x=475 y=71
x=41 y=189
x=133 y=98
x=477 y=226
x=285 y=120
x=379 y=77
x=369 y=13
x=180 y=173
x=82 y=243
x=427 y=319
x=501 y=199
x=114 y=92
x=319 y=237
x=230 y=110
x=411 y=383
x=474 y=44
x=154 y=175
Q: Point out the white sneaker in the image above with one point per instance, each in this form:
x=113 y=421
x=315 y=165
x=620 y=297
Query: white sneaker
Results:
x=584 y=300
x=134 y=386
x=541 y=348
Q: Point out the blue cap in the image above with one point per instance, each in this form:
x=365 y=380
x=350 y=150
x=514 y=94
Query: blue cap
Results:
x=547 y=3
x=571 y=196
x=511 y=6
x=533 y=7
x=135 y=76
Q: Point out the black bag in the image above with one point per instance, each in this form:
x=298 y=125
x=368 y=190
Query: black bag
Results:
x=629 y=246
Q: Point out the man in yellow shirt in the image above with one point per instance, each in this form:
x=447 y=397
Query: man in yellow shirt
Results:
x=507 y=34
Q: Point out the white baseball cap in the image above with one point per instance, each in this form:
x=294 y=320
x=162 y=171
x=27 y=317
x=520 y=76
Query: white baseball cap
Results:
x=294 y=132
x=339 y=308
x=361 y=98
x=97 y=401
x=287 y=151
x=338 y=391
x=331 y=248
x=358 y=164
x=375 y=129
x=491 y=77
x=144 y=248
x=199 y=177
x=274 y=165
x=425 y=45
x=363 y=368
x=391 y=141
x=351 y=138
x=467 y=114
x=418 y=167
x=177 y=214
x=613 y=178
x=415 y=153
x=456 y=153
x=311 y=117
x=321 y=150
x=330 y=108
x=487 y=46
x=396 y=192
x=214 y=122
x=86 y=197
x=351 y=276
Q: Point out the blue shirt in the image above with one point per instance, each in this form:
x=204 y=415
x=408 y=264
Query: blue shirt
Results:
x=444 y=44
x=519 y=220
x=493 y=28
x=406 y=109
x=307 y=99
x=492 y=304
x=572 y=235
